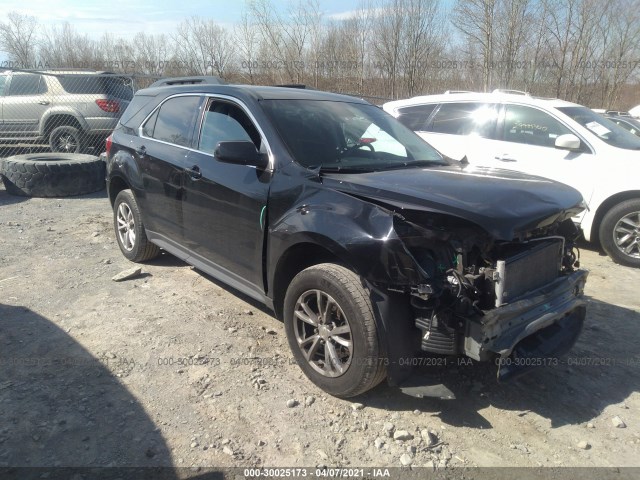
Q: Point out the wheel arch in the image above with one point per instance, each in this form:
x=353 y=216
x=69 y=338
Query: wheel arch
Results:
x=607 y=205
x=296 y=258
x=117 y=183
x=58 y=120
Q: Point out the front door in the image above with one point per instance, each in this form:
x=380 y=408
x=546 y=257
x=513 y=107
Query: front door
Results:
x=225 y=204
x=25 y=101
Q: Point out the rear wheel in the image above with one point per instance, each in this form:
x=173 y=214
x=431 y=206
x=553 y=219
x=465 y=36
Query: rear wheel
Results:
x=129 y=229
x=620 y=233
x=332 y=331
x=66 y=139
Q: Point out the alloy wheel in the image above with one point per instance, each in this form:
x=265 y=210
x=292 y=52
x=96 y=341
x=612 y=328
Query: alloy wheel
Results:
x=626 y=234
x=126 y=227
x=323 y=333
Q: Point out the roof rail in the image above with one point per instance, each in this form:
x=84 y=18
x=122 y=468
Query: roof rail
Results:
x=512 y=92
x=209 y=80
x=447 y=92
x=619 y=113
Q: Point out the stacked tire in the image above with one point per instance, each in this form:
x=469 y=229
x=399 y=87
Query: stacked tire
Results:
x=52 y=174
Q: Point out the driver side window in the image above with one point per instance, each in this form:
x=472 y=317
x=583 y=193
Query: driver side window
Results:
x=531 y=126
x=226 y=122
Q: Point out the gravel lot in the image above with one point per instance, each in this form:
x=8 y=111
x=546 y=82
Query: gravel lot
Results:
x=174 y=369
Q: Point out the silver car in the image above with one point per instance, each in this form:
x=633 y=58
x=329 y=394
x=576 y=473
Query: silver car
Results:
x=71 y=110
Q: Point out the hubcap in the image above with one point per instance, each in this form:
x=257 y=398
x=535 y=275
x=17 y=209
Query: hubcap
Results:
x=323 y=333
x=67 y=143
x=126 y=227
x=626 y=234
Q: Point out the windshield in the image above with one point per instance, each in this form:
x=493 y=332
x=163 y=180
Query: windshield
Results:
x=603 y=128
x=347 y=137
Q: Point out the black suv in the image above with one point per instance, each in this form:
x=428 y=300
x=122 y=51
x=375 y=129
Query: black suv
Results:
x=374 y=249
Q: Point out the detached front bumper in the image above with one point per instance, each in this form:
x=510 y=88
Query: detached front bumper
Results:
x=532 y=330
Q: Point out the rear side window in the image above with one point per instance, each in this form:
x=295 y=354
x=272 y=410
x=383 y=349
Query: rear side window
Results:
x=174 y=121
x=3 y=82
x=465 y=119
x=26 y=84
x=119 y=87
x=415 y=117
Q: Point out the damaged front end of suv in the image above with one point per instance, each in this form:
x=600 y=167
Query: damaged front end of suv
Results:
x=520 y=300
x=493 y=275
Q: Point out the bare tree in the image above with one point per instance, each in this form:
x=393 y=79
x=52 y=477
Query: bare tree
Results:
x=421 y=41
x=151 y=53
x=63 y=47
x=389 y=25
x=18 y=38
x=512 y=29
x=623 y=54
x=247 y=42
x=476 y=20
x=203 y=47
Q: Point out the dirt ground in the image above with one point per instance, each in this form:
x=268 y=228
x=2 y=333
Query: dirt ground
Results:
x=174 y=369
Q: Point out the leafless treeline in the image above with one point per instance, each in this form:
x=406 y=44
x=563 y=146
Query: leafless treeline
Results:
x=586 y=51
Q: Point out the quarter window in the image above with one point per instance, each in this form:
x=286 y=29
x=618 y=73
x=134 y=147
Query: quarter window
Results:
x=174 y=121
x=26 y=84
x=531 y=126
x=465 y=119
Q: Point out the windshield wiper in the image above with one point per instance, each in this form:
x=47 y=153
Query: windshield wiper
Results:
x=415 y=163
x=346 y=169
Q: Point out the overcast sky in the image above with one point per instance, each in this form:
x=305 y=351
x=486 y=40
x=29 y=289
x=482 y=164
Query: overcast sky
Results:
x=127 y=17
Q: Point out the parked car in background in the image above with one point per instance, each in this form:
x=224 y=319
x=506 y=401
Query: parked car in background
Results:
x=625 y=121
x=635 y=111
x=547 y=137
x=370 y=246
x=70 y=110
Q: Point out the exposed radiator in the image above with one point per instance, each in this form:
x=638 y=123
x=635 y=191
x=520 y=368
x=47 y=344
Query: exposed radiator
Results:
x=532 y=268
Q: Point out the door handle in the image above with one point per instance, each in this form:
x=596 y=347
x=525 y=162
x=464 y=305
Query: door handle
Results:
x=141 y=150
x=195 y=173
x=43 y=102
x=505 y=158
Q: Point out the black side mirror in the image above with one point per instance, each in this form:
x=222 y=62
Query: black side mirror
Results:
x=240 y=153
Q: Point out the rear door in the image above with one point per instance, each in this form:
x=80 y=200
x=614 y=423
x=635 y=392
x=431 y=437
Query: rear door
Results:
x=225 y=204
x=460 y=129
x=25 y=101
x=162 y=151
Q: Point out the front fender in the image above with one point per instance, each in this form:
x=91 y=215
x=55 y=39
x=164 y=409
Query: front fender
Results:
x=360 y=233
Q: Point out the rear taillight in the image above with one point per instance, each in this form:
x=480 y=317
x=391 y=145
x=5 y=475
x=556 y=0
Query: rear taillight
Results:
x=111 y=106
x=107 y=144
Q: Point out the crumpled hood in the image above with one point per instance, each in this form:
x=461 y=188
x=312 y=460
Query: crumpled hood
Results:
x=503 y=202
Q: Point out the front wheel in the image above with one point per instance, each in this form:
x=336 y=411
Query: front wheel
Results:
x=130 y=233
x=620 y=233
x=332 y=331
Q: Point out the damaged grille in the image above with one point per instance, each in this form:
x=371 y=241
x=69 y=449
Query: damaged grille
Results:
x=527 y=270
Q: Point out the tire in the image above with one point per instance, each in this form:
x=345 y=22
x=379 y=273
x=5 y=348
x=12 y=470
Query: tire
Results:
x=357 y=369
x=53 y=174
x=129 y=229
x=620 y=233
x=66 y=139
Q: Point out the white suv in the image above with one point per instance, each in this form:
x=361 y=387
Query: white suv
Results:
x=545 y=137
